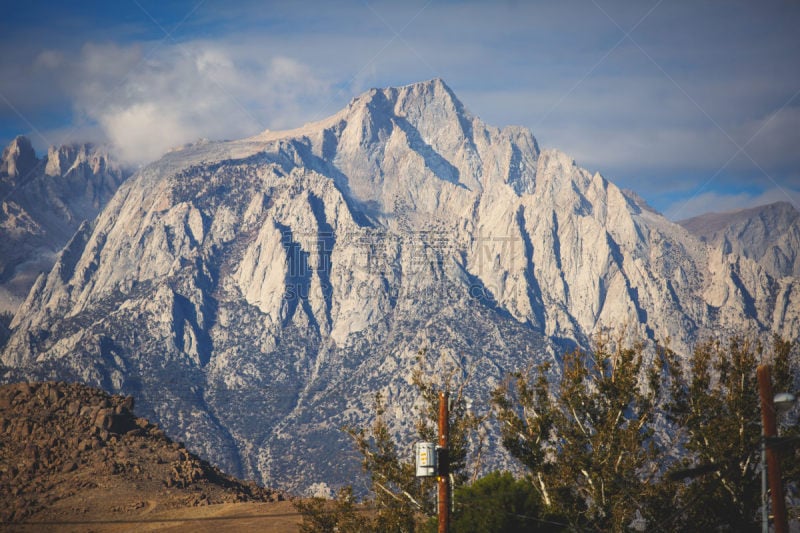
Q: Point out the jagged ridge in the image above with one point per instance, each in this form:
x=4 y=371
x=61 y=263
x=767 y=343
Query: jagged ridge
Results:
x=42 y=203
x=769 y=235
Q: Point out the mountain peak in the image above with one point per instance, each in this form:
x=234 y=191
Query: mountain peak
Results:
x=768 y=234
x=43 y=202
x=415 y=99
x=62 y=159
x=714 y=222
x=432 y=83
x=435 y=87
x=429 y=86
x=19 y=157
x=783 y=206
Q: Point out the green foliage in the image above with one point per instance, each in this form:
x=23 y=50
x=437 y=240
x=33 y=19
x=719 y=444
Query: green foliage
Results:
x=586 y=435
x=398 y=496
x=786 y=378
x=587 y=446
x=498 y=503
x=587 y=438
x=716 y=411
x=465 y=440
x=325 y=516
x=399 y=500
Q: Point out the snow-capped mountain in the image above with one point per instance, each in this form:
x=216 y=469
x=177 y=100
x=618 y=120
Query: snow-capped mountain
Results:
x=42 y=203
x=255 y=294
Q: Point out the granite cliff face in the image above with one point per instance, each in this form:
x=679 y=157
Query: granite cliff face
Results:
x=42 y=203
x=255 y=294
x=769 y=235
x=741 y=241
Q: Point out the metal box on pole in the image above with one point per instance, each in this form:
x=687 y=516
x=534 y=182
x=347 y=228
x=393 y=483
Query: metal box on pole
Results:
x=425 y=458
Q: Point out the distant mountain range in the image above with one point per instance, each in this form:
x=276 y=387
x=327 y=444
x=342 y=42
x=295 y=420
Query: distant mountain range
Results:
x=769 y=235
x=254 y=295
x=42 y=203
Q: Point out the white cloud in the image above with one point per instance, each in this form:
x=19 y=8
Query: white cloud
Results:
x=147 y=101
x=49 y=59
x=644 y=117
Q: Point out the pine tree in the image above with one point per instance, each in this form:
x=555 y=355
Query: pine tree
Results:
x=401 y=502
x=587 y=443
x=716 y=415
x=498 y=503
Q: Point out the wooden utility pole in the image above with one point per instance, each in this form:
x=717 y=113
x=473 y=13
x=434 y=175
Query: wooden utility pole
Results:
x=773 y=460
x=444 y=464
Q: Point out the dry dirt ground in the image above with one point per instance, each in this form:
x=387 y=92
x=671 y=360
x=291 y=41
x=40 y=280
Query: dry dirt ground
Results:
x=73 y=458
x=275 y=517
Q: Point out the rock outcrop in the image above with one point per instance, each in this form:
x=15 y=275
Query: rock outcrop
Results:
x=42 y=203
x=768 y=235
x=19 y=159
x=63 y=444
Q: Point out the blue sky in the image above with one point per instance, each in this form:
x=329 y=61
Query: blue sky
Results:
x=694 y=105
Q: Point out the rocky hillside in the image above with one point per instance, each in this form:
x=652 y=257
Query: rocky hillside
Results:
x=293 y=275
x=769 y=235
x=42 y=203
x=68 y=449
